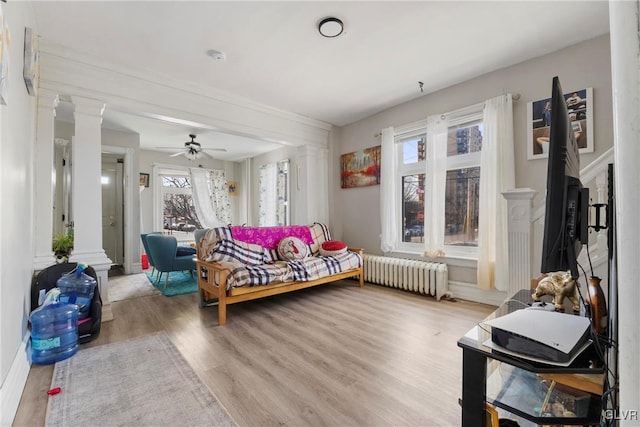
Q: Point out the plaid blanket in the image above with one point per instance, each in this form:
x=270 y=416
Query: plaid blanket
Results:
x=310 y=268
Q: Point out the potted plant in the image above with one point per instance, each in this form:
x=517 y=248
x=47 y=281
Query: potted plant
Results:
x=62 y=245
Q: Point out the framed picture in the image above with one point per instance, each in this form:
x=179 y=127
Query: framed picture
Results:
x=30 y=68
x=360 y=168
x=233 y=188
x=580 y=108
x=144 y=180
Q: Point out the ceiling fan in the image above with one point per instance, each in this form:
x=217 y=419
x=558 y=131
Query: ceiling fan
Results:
x=192 y=150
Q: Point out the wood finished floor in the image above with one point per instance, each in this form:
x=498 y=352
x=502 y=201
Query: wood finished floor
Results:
x=334 y=355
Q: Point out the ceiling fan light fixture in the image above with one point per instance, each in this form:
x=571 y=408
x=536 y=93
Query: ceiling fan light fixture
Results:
x=330 y=27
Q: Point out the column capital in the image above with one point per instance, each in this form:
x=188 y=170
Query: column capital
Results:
x=47 y=98
x=519 y=194
x=88 y=106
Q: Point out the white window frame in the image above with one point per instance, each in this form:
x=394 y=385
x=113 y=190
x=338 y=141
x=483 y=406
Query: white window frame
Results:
x=434 y=181
x=159 y=190
x=461 y=118
x=401 y=134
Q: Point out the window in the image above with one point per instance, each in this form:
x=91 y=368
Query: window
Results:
x=178 y=212
x=411 y=155
x=438 y=174
x=462 y=182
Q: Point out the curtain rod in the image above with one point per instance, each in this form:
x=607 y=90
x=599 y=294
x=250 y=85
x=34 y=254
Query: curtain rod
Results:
x=514 y=97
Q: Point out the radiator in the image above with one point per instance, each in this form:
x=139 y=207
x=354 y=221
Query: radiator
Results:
x=429 y=278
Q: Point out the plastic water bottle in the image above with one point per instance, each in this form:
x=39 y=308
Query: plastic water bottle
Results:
x=80 y=285
x=54 y=333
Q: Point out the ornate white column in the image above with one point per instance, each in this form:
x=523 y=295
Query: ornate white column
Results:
x=519 y=204
x=44 y=183
x=87 y=194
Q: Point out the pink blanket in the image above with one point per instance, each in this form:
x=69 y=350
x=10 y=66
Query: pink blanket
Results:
x=269 y=237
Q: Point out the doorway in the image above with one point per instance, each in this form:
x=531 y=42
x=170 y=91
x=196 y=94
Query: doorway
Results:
x=113 y=209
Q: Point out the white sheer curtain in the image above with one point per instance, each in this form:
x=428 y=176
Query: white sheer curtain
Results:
x=497 y=174
x=282 y=196
x=210 y=197
x=436 y=183
x=267 y=204
x=388 y=192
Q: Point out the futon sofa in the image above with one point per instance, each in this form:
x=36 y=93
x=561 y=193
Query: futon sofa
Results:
x=236 y=264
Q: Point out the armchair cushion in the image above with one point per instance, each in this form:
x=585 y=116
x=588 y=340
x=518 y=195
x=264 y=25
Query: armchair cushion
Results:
x=163 y=250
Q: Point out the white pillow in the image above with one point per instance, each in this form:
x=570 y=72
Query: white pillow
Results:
x=292 y=249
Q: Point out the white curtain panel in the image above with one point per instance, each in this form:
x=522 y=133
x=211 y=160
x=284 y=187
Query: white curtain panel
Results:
x=497 y=174
x=388 y=192
x=210 y=197
x=436 y=183
x=282 y=196
x=268 y=187
x=220 y=196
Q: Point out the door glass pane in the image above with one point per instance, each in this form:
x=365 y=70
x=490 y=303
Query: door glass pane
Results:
x=461 y=207
x=464 y=139
x=413 y=208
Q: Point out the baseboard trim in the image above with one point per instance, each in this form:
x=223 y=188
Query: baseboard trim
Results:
x=13 y=386
x=471 y=292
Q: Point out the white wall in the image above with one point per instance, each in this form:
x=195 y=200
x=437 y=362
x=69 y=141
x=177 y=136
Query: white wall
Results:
x=17 y=135
x=587 y=64
x=355 y=211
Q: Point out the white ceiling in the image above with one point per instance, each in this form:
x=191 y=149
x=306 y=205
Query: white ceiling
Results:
x=276 y=57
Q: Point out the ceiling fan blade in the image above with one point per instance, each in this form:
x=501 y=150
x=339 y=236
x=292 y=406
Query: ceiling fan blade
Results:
x=181 y=153
x=215 y=149
x=170 y=148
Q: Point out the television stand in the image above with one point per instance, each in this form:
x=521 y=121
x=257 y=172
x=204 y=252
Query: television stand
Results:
x=536 y=392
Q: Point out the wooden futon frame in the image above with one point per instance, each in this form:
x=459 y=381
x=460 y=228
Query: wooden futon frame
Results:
x=212 y=285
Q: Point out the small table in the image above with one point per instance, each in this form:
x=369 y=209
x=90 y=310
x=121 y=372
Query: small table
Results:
x=581 y=375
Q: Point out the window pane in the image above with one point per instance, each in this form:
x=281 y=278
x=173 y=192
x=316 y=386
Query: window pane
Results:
x=176 y=181
x=413 y=208
x=178 y=212
x=464 y=139
x=461 y=207
x=413 y=150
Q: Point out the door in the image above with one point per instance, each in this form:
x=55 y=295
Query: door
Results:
x=112 y=208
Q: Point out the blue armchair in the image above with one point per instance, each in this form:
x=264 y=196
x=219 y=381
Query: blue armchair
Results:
x=143 y=237
x=162 y=249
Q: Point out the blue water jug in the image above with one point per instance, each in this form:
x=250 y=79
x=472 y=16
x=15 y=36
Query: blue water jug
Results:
x=82 y=286
x=54 y=333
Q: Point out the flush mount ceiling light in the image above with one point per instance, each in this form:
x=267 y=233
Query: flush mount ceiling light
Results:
x=330 y=27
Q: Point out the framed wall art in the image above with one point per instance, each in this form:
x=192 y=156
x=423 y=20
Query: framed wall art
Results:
x=30 y=68
x=144 y=180
x=233 y=188
x=580 y=108
x=360 y=168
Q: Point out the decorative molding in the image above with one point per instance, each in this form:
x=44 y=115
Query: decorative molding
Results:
x=131 y=90
x=87 y=106
x=48 y=98
x=13 y=385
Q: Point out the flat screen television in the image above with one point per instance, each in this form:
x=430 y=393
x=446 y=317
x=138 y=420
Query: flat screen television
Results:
x=567 y=202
